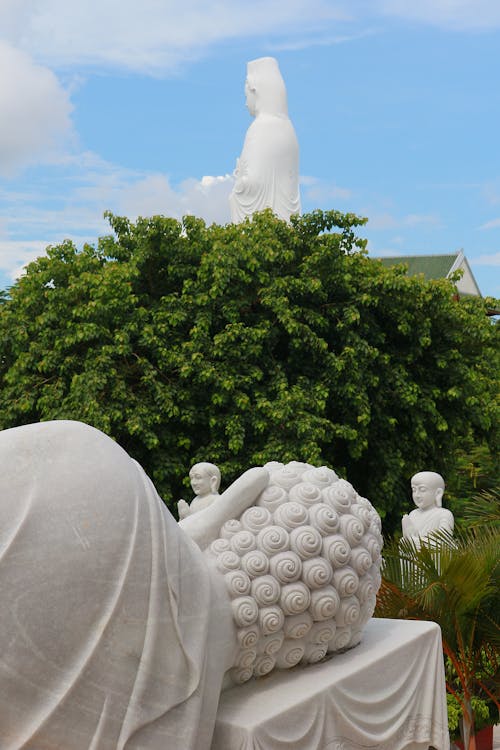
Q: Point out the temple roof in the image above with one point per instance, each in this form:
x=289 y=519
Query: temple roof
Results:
x=438 y=267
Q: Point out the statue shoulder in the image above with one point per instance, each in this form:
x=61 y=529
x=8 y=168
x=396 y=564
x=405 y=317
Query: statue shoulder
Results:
x=446 y=516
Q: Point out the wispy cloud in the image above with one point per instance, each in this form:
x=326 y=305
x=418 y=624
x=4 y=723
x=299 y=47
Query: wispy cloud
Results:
x=414 y=220
x=486 y=259
x=390 y=221
x=14 y=256
x=493 y=224
x=316 y=40
x=41 y=41
x=491 y=191
x=151 y=36
x=156 y=37
x=456 y=15
x=379 y=252
x=318 y=192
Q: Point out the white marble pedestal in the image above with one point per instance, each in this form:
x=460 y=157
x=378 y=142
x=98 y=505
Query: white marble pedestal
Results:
x=386 y=694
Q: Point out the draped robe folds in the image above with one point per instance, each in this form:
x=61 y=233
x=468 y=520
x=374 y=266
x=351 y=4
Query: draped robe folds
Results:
x=267 y=173
x=114 y=635
x=431 y=520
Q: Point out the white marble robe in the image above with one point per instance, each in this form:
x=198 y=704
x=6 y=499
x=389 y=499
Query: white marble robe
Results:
x=432 y=519
x=267 y=173
x=113 y=634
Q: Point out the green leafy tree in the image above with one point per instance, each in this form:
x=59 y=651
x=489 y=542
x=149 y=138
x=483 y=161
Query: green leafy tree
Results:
x=246 y=343
x=477 y=469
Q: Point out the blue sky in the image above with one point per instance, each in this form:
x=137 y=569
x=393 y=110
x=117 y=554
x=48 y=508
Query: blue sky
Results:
x=137 y=108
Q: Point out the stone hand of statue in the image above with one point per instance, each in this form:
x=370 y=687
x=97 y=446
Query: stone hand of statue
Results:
x=183 y=509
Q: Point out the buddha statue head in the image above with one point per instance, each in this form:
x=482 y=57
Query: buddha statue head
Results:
x=205 y=479
x=265 y=89
x=427 y=489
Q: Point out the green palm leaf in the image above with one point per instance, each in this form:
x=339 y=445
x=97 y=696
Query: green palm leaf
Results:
x=454 y=581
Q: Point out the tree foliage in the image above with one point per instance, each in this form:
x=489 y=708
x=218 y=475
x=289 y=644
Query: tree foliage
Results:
x=477 y=470
x=246 y=343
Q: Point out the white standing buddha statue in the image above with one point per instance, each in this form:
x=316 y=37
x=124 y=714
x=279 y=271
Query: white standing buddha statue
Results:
x=267 y=172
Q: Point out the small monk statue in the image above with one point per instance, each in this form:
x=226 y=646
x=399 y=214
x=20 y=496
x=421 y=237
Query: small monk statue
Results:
x=427 y=490
x=267 y=172
x=205 y=483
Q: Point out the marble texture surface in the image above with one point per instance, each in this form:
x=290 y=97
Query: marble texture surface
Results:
x=386 y=694
x=115 y=634
x=118 y=625
x=302 y=568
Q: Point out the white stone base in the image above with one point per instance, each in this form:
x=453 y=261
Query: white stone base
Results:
x=388 y=693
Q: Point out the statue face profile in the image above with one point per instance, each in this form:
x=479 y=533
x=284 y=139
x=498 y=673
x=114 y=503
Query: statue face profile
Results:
x=427 y=489
x=205 y=479
x=265 y=88
x=251 y=98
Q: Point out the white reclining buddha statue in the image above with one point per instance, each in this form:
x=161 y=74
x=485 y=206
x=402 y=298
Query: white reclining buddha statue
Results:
x=119 y=625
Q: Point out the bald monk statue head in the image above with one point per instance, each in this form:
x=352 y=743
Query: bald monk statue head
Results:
x=427 y=489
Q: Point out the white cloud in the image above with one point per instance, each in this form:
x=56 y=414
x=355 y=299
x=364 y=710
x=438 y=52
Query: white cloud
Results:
x=103 y=186
x=34 y=110
x=318 y=40
x=491 y=191
x=14 y=16
x=206 y=198
x=414 y=220
x=486 y=260
x=398 y=240
x=16 y=254
x=389 y=221
x=378 y=252
x=149 y=36
x=456 y=15
x=382 y=220
x=316 y=191
x=72 y=205
x=156 y=36
x=493 y=224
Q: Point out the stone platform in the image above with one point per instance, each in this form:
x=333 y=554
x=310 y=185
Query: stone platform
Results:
x=386 y=694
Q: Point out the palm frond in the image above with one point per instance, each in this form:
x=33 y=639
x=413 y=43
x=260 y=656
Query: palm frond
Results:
x=484 y=509
x=454 y=581
x=451 y=580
